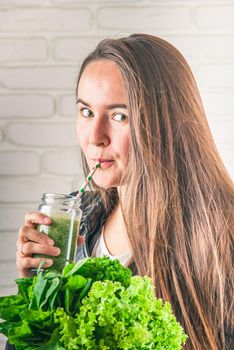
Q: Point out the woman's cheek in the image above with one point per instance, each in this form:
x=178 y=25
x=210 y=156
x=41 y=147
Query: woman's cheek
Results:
x=80 y=137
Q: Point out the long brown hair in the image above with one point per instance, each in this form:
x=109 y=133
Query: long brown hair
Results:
x=180 y=199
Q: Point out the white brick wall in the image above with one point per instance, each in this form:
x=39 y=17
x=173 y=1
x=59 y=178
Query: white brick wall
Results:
x=41 y=134
x=144 y=18
x=67 y=105
x=11 y=163
x=17 y=50
x=45 y=19
x=223 y=14
x=38 y=78
x=42 y=43
x=26 y=106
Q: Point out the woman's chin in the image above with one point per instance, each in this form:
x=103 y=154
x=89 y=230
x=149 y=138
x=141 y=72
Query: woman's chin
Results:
x=105 y=186
x=106 y=183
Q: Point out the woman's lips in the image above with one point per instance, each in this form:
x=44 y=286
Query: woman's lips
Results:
x=105 y=163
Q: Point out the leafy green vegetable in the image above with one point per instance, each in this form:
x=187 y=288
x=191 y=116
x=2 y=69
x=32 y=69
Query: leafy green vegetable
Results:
x=23 y=285
x=67 y=328
x=10 y=307
x=112 y=317
x=51 y=291
x=101 y=269
x=71 y=269
x=94 y=304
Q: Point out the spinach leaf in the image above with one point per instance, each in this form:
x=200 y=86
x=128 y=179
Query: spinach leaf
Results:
x=53 y=343
x=67 y=301
x=52 y=288
x=12 y=313
x=67 y=268
x=69 y=272
x=75 y=282
x=82 y=294
x=55 y=297
x=10 y=300
x=23 y=285
x=4 y=327
x=18 y=331
x=39 y=291
x=10 y=306
x=34 y=315
x=52 y=274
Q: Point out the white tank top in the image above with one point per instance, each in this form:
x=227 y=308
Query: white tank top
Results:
x=100 y=249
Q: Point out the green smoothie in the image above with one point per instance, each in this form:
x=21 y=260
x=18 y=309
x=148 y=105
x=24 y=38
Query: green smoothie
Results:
x=63 y=230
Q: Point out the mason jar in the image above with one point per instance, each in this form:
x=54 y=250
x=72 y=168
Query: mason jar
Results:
x=65 y=217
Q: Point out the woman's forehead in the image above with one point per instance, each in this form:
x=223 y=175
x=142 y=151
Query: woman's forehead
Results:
x=102 y=80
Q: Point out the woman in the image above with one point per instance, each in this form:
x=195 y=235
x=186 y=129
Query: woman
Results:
x=164 y=200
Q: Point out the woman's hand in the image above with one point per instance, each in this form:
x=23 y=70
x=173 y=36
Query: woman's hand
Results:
x=30 y=241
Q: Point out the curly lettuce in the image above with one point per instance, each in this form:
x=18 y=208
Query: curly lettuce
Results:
x=112 y=317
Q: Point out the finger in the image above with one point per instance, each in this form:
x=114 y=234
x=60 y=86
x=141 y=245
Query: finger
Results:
x=30 y=248
x=80 y=240
x=33 y=218
x=27 y=263
x=30 y=234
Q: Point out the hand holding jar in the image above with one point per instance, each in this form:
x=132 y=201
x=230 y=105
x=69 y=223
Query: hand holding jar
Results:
x=50 y=234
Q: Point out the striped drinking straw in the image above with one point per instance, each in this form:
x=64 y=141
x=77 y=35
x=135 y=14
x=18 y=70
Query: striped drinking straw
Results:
x=88 y=179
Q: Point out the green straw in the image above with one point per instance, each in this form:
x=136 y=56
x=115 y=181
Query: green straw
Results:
x=88 y=179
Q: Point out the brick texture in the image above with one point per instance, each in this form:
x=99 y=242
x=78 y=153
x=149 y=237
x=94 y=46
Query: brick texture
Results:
x=204 y=47
x=73 y=2
x=72 y=49
x=1 y=135
x=8 y=245
x=26 y=106
x=29 y=190
x=41 y=134
x=21 y=2
x=18 y=50
x=144 y=18
x=216 y=75
x=15 y=211
x=218 y=18
x=67 y=105
x=38 y=78
x=19 y=163
x=70 y=166
x=45 y=19
x=218 y=104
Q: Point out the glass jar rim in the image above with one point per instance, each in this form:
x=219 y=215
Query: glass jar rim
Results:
x=58 y=196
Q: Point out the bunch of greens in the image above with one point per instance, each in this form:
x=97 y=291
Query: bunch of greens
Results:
x=94 y=304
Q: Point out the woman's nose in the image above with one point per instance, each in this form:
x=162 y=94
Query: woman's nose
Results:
x=99 y=134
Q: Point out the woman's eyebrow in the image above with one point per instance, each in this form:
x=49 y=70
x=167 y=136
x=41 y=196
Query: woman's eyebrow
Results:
x=83 y=102
x=111 y=106
x=117 y=105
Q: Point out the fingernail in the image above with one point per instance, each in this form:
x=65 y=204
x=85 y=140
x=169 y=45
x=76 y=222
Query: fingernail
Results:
x=50 y=242
x=57 y=251
x=47 y=220
x=49 y=262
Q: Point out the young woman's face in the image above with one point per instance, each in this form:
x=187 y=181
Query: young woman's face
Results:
x=102 y=123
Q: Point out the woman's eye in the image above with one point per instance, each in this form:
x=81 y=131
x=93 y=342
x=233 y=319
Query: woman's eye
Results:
x=86 y=113
x=120 y=117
